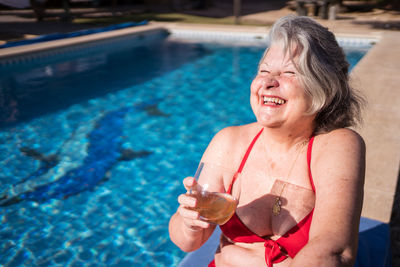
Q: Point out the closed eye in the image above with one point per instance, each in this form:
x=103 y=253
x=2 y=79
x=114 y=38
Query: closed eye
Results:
x=289 y=73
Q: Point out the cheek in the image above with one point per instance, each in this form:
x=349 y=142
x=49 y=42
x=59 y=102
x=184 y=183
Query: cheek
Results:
x=254 y=94
x=255 y=85
x=303 y=101
x=295 y=88
x=254 y=91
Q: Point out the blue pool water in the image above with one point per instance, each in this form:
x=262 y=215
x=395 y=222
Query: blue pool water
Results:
x=94 y=145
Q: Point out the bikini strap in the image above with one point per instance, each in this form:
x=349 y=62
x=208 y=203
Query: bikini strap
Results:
x=309 y=149
x=244 y=160
x=248 y=151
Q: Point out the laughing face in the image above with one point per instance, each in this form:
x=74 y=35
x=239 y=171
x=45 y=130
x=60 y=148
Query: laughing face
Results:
x=278 y=98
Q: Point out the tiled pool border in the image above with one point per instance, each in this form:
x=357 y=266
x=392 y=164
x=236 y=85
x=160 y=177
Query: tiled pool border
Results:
x=258 y=38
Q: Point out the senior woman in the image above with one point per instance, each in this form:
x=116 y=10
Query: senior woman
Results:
x=302 y=169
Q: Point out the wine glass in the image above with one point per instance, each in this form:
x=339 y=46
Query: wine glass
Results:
x=213 y=203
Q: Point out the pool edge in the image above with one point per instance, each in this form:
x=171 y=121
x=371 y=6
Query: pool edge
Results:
x=18 y=51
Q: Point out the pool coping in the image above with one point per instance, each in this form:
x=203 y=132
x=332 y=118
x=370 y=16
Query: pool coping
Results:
x=23 y=50
x=254 y=33
x=202 y=31
x=377 y=68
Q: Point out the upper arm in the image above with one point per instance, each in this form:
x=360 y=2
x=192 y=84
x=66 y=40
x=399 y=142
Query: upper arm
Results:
x=338 y=168
x=221 y=154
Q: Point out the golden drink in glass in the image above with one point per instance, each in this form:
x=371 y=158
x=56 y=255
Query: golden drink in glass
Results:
x=215 y=207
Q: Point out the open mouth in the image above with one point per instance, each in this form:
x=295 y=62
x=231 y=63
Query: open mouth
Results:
x=273 y=101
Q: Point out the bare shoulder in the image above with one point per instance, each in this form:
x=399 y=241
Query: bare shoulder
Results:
x=339 y=154
x=236 y=133
x=228 y=143
x=339 y=139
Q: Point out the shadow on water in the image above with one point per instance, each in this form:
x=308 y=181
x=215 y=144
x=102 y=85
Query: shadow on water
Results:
x=31 y=89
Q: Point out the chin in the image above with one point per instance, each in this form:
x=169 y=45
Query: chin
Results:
x=268 y=124
x=266 y=120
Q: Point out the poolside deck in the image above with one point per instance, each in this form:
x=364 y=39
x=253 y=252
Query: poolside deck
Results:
x=376 y=75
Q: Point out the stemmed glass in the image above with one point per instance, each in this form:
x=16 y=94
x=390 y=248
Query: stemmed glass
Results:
x=213 y=203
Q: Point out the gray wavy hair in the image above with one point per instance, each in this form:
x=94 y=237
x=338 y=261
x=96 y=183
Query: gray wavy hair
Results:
x=323 y=67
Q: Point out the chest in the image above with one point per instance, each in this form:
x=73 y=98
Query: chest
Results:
x=261 y=185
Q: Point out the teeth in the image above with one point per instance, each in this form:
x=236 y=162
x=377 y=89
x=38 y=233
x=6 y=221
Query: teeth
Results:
x=275 y=100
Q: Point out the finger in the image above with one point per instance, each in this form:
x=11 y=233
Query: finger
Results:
x=201 y=224
x=191 y=219
x=196 y=224
x=187 y=200
x=189 y=182
x=187 y=213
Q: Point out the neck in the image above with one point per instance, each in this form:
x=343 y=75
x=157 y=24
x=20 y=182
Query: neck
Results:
x=277 y=139
x=281 y=151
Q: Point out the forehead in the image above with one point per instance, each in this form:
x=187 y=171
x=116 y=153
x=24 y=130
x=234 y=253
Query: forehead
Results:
x=277 y=53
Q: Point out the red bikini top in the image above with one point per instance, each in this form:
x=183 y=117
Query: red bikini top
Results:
x=288 y=244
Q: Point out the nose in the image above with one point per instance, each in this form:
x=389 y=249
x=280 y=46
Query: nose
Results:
x=270 y=82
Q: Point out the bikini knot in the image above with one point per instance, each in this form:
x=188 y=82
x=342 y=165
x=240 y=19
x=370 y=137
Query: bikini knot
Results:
x=273 y=252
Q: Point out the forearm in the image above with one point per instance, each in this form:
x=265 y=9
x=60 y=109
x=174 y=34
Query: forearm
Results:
x=324 y=252
x=186 y=238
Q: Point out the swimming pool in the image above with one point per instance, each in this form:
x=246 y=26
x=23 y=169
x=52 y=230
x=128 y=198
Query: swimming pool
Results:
x=94 y=144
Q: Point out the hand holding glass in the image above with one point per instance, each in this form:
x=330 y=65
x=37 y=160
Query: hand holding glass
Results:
x=213 y=204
